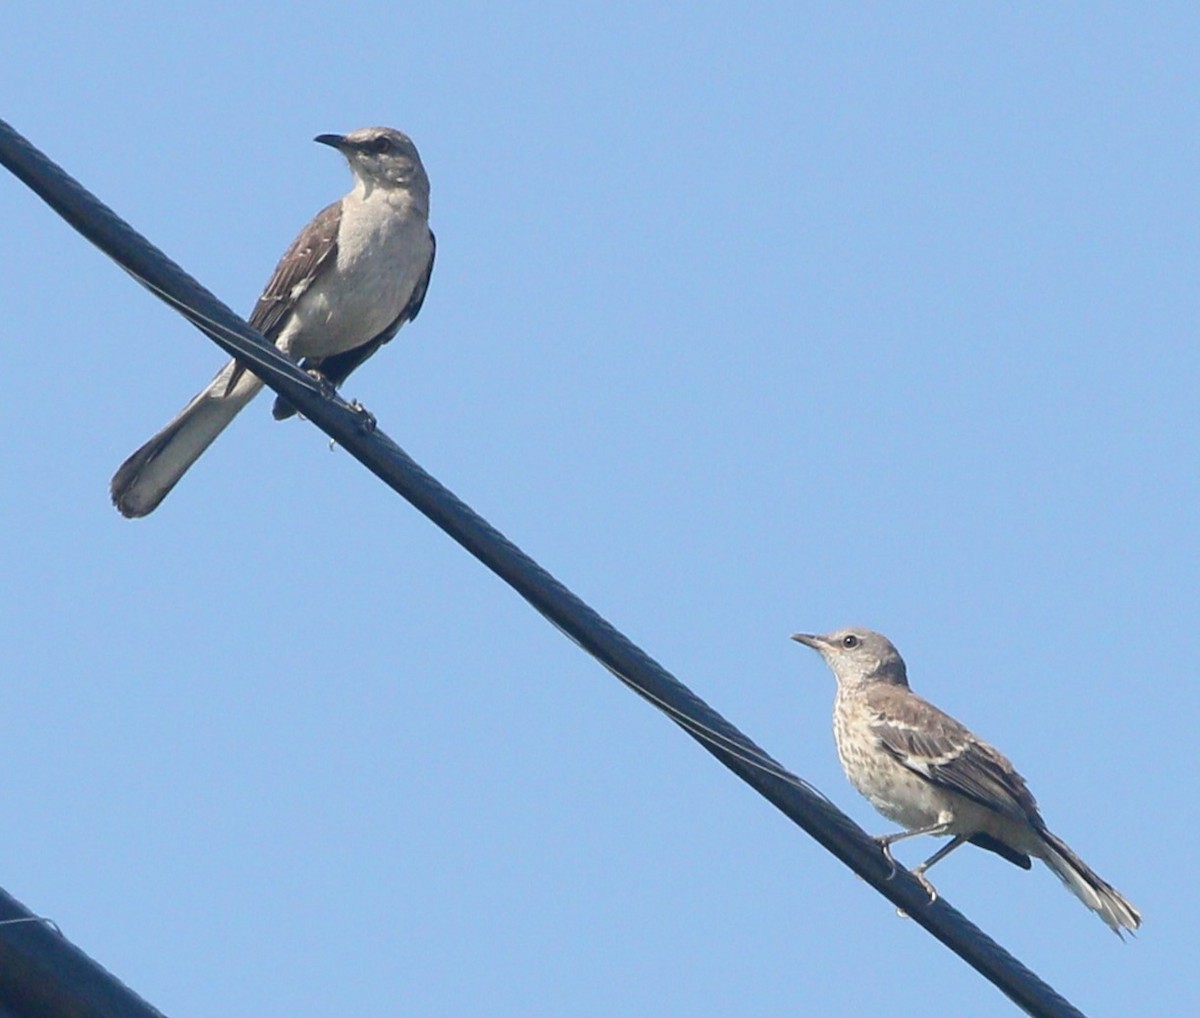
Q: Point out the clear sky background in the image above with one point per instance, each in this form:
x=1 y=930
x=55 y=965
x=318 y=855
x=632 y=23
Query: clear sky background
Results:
x=746 y=319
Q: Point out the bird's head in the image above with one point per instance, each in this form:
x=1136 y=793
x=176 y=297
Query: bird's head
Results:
x=382 y=157
x=858 y=656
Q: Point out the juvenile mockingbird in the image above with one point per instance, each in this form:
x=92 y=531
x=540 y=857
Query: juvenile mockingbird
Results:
x=922 y=769
x=355 y=274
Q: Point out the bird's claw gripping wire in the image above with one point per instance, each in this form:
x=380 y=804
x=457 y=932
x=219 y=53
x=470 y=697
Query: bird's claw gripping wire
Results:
x=368 y=422
x=885 y=846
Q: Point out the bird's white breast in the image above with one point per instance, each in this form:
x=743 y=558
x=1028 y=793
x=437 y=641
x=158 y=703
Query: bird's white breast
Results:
x=383 y=251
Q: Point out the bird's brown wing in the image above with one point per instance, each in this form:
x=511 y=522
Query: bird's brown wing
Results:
x=935 y=746
x=302 y=262
x=310 y=252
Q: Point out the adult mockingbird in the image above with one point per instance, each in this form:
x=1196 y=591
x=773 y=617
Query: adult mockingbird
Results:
x=355 y=274
x=922 y=769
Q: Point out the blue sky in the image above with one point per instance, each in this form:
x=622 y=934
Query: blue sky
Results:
x=745 y=320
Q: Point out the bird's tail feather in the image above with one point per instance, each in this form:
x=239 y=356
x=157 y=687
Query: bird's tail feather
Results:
x=1098 y=895
x=145 y=479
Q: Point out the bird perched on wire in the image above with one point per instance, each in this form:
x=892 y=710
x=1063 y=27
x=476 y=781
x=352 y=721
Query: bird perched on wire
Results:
x=352 y=277
x=930 y=774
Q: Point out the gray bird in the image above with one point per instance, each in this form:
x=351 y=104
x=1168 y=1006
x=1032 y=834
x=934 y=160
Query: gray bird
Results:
x=930 y=774
x=352 y=277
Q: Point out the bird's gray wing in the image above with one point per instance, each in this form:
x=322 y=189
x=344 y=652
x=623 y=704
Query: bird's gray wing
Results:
x=934 y=745
x=337 y=368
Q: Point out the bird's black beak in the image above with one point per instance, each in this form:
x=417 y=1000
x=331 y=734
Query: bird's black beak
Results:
x=337 y=141
x=807 y=639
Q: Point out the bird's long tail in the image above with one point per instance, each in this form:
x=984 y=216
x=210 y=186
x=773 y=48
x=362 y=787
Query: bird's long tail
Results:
x=1098 y=895
x=145 y=479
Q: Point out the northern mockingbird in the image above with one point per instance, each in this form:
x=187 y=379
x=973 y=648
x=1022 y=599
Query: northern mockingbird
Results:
x=355 y=274
x=924 y=770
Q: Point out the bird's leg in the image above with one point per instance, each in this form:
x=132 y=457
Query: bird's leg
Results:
x=941 y=853
x=937 y=856
x=886 y=841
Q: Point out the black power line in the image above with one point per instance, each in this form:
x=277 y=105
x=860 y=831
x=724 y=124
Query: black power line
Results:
x=355 y=432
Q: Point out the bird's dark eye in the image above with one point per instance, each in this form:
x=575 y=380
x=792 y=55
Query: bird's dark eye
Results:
x=849 y=641
x=381 y=146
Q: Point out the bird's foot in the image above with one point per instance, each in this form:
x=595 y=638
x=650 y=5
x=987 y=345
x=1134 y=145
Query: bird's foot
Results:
x=282 y=409
x=328 y=389
x=368 y=422
x=924 y=882
x=885 y=846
